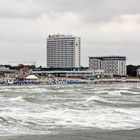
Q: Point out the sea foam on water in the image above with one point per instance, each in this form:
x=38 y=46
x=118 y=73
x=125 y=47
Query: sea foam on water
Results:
x=47 y=109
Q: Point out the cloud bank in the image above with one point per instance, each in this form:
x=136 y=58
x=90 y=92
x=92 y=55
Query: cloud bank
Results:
x=106 y=27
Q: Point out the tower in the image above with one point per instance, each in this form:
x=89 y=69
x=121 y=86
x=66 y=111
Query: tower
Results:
x=63 y=51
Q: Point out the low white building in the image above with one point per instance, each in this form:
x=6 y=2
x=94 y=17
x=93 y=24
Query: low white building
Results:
x=65 y=73
x=4 y=71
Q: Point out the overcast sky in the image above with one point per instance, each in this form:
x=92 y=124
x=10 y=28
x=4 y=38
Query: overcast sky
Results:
x=106 y=27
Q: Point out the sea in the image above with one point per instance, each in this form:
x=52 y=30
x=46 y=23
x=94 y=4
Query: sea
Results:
x=59 y=109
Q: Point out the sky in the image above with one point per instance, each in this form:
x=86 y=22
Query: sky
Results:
x=106 y=27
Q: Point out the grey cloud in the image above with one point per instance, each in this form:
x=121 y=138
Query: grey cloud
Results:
x=92 y=10
x=25 y=24
x=89 y=10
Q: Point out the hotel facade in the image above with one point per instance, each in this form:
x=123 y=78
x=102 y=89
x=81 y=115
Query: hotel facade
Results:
x=115 y=65
x=63 y=51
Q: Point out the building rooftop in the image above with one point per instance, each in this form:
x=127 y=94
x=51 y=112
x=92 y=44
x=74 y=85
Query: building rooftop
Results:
x=109 y=57
x=59 y=36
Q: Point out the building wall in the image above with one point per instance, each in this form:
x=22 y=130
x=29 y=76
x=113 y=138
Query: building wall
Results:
x=95 y=64
x=138 y=72
x=115 y=65
x=63 y=51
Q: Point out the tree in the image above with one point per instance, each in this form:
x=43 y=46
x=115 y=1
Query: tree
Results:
x=132 y=70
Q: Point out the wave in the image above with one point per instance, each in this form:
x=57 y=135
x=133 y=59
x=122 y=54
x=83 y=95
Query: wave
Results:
x=30 y=99
x=19 y=98
x=130 y=92
x=115 y=93
x=22 y=99
x=96 y=99
x=42 y=109
x=114 y=101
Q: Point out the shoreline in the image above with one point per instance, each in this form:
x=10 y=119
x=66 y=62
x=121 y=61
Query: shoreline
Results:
x=82 y=135
x=75 y=81
x=91 y=83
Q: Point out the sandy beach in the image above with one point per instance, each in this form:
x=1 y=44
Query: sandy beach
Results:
x=82 y=135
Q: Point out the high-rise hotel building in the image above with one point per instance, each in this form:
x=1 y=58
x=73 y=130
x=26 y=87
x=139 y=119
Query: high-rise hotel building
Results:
x=63 y=51
x=115 y=65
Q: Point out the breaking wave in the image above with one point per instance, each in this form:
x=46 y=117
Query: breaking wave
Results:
x=46 y=109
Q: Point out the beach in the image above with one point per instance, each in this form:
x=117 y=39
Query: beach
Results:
x=82 y=135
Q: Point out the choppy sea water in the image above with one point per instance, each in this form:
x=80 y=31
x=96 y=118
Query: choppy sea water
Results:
x=48 y=109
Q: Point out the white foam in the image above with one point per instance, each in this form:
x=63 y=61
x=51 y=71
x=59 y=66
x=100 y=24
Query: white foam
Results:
x=19 y=98
x=130 y=92
x=66 y=110
x=114 y=93
x=100 y=92
x=104 y=118
x=94 y=98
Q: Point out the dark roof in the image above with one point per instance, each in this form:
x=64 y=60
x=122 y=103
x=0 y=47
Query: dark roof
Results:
x=109 y=58
x=61 y=69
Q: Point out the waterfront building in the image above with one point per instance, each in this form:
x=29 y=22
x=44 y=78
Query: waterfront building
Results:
x=138 y=72
x=115 y=65
x=63 y=51
x=63 y=72
x=99 y=73
x=7 y=72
